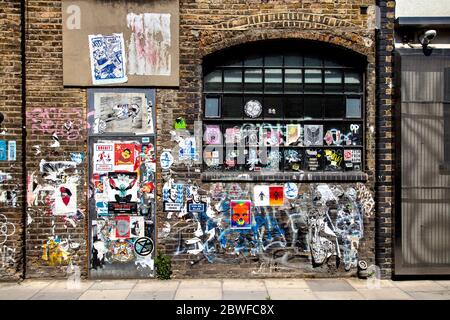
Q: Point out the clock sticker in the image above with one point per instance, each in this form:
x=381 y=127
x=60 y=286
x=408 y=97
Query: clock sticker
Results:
x=253 y=108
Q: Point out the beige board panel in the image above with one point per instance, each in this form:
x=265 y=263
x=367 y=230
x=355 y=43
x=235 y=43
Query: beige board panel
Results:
x=106 y=17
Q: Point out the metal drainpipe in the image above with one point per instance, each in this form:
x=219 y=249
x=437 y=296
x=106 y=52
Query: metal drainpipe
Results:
x=24 y=132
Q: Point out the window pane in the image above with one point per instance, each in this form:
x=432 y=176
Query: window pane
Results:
x=253 y=80
x=313 y=107
x=293 y=60
x=293 y=107
x=232 y=107
x=273 y=61
x=333 y=80
x=334 y=107
x=313 y=80
x=293 y=80
x=213 y=81
x=232 y=80
x=331 y=63
x=253 y=61
x=352 y=82
x=313 y=61
x=212 y=107
x=273 y=80
x=353 y=107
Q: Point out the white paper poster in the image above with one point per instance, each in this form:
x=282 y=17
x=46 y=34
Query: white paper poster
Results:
x=261 y=196
x=65 y=199
x=108 y=63
x=103 y=159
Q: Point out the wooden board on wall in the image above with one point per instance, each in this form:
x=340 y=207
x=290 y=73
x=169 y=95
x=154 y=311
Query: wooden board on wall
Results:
x=147 y=64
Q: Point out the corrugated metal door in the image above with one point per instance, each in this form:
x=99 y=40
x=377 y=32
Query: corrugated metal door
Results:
x=423 y=228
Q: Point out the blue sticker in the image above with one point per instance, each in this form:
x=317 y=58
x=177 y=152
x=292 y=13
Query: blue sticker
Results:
x=2 y=150
x=77 y=157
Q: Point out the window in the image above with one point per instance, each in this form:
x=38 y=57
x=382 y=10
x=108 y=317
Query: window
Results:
x=283 y=107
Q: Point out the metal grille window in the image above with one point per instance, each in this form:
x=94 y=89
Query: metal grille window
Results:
x=298 y=110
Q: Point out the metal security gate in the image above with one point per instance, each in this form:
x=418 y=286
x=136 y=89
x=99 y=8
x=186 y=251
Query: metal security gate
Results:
x=422 y=243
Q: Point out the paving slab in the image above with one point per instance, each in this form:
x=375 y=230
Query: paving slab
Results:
x=385 y=294
x=17 y=294
x=246 y=285
x=426 y=285
x=57 y=295
x=291 y=294
x=200 y=284
x=155 y=295
x=113 y=284
x=105 y=294
x=245 y=295
x=199 y=294
x=286 y=284
x=63 y=285
x=368 y=284
x=444 y=283
x=339 y=295
x=439 y=295
x=156 y=285
x=329 y=285
x=35 y=284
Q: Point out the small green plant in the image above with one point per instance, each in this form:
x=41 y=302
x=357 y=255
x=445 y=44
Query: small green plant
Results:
x=268 y=298
x=163 y=265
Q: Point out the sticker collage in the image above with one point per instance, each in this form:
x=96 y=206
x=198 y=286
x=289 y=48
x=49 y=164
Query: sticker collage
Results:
x=122 y=176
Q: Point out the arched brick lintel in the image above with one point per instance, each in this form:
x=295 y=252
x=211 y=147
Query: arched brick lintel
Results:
x=211 y=42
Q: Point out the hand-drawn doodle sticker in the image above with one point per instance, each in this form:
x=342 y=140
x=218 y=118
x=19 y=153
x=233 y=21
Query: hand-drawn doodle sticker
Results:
x=290 y=190
x=143 y=246
x=253 y=108
x=166 y=160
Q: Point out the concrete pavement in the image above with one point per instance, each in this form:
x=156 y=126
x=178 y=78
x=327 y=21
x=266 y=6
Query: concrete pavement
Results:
x=227 y=289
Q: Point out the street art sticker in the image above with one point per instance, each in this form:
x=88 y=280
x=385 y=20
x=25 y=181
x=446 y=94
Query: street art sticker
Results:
x=276 y=195
x=313 y=135
x=103 y=157
x=294 y=134
x=124 y=156
x=241 y=215
x=290 y=190
x=108 y=62
x=122 y=227
x=3 y=150
x=143 y=246
x=149 y=44
x=261 y=196
x=65 y=199
x=166 y=160
x=173 y=196
x=121 y=112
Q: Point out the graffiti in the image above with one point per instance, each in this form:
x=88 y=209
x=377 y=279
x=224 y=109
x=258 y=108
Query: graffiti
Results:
x=7 y=229
x=49 y=121
x=7 y=256
x=366 y=199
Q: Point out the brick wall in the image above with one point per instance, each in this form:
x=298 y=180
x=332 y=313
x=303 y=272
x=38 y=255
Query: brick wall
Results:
x=11 y=218
x=50 y=109
x=206 y=26
x=385 y=141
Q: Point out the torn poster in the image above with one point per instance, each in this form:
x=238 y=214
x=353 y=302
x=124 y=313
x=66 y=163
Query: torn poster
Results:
x=149 y=45
x=103 y=157
x=108 y=63
x=122 y=112
x=241 y=215
x=65 y=199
